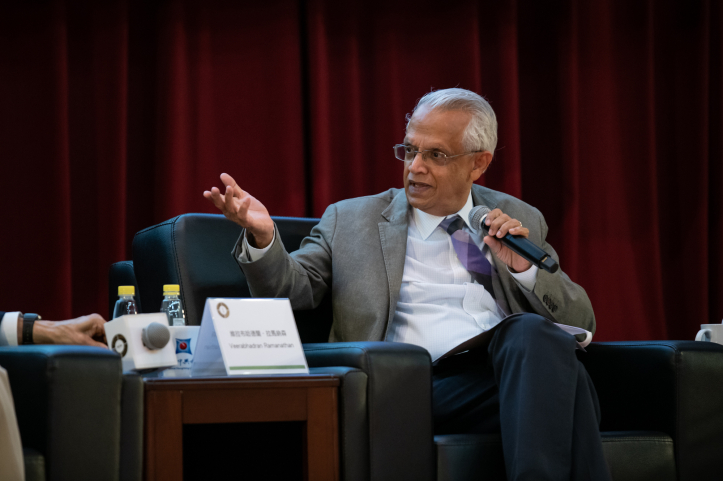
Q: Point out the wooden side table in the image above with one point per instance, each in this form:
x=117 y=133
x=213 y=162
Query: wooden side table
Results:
x=172 y=402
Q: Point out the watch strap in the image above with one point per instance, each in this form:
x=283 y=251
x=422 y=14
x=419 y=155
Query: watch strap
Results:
x=28 y=322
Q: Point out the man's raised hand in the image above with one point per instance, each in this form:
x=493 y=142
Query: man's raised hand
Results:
x=244 y=209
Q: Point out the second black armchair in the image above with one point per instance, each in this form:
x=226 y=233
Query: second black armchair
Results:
x=661 y=409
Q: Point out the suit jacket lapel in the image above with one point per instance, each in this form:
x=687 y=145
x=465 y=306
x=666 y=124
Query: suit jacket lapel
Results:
x=480 y=197
x=393 y=236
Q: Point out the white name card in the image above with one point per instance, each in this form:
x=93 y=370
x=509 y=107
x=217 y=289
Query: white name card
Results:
x=248 y=337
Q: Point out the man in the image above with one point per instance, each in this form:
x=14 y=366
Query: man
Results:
x=86 y=330
x=402 y=266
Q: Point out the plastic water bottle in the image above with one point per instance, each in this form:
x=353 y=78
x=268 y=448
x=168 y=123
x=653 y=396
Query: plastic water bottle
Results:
x=172 y=305
x=126 y=303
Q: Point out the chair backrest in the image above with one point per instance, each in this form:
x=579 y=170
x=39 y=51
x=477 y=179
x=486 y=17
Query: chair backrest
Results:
x=194 y=251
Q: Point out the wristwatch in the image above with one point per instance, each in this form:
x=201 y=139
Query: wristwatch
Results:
x=28 y=321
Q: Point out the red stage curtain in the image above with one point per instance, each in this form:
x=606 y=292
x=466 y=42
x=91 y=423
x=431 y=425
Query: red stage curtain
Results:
x=116 y=115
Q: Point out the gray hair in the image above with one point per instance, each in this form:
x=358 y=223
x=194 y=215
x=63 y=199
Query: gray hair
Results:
x=481 y=132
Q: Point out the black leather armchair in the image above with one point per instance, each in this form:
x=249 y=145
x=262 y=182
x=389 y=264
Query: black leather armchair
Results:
x=662 y=414
x=68 y=405
x=385 y=388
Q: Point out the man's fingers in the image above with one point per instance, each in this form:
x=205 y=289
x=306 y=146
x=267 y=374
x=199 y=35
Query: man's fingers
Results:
x=219 y=200
x=91 y=342
x=229 y=181
x=223 y=198
x=229 y=201
x=236 y=207
x=236 y=191
x=239 y=206
x=520 y=230
x=92 y=330
x=514 y=227
x=216 y=197
x=500 y=224
x=492 y=216
x=91 y=321
x=96 y=318
x=496 y=220
x=493 y=244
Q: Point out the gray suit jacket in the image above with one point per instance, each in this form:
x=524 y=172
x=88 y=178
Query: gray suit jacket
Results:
x=358 y=250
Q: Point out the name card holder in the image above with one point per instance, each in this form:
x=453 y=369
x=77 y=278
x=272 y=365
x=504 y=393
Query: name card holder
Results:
x=248 y=337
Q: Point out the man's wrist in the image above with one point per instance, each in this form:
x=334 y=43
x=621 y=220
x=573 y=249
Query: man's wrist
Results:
x=259 y=241
x=42 y=332
x=516 y=271
x=526 y=279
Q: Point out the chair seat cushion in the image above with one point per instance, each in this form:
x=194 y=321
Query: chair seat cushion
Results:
x=639 y=455
x=469 y=456
x=631 y=455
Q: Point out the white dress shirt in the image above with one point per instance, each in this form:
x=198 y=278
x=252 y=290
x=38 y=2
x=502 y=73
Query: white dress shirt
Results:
x=439 y=306
x=9 y=329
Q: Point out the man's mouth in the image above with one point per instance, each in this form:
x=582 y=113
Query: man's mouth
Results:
x=418 y=186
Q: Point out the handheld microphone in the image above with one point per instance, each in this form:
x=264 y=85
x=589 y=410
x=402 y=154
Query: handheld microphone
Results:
x=155 y=336
x=518 y=244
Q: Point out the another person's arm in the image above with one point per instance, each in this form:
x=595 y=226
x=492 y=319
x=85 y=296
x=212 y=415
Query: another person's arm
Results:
x=85 y=330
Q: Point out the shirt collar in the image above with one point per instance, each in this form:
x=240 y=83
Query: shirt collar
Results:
x=426 y=223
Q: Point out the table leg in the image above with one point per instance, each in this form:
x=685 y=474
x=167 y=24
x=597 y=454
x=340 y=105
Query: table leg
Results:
x=164 y=436
x=322 y=446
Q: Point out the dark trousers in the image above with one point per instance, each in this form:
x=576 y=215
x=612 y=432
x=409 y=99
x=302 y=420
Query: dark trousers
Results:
x=528 y=386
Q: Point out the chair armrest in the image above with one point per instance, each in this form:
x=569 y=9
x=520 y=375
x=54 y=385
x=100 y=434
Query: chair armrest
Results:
x=668 y=386
x=353 y=421
x=131 y=434
x=67 y=400
x=399 y=401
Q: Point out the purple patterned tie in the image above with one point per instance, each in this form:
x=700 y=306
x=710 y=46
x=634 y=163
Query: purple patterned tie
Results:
x=468 y=253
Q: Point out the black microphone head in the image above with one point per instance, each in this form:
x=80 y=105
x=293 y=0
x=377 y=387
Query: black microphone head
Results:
x=476 y=216
x=155 y=336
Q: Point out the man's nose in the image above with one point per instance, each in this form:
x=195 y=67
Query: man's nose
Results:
x=418 y=163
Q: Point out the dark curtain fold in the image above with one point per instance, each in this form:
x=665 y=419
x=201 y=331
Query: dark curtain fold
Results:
x=116 y=115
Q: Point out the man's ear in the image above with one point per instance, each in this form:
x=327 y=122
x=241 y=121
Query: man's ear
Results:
x=482 y=161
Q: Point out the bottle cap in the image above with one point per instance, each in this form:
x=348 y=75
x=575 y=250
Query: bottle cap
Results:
x=171 y=289
x=126 y=290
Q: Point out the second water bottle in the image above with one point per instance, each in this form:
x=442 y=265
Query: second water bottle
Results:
x=172 y=305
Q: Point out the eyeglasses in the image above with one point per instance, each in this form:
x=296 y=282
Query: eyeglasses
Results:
x=407 y=153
